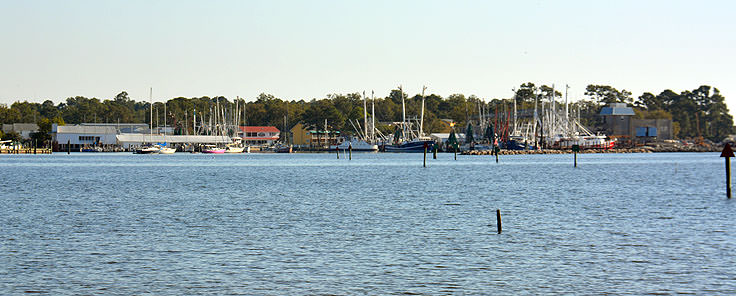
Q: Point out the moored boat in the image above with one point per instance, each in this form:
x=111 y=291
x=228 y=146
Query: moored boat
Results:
x=356 y=144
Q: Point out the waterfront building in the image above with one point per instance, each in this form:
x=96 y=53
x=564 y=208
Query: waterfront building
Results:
x=619 y=122
x=23 y=129
x=259 y=135
x=81 y=136
x=303 y=136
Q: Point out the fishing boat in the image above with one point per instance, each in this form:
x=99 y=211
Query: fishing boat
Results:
x=284 y=149
x=406 y=139
x=235 y=147
x=356 y=144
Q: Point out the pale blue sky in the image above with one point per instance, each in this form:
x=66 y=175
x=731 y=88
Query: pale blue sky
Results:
x=307 y=49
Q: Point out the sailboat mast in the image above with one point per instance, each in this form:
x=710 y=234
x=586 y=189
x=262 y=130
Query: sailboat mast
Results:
x=421 y=121
x=373 y=118
x=365 y=117
x=403 y=113
x=164 y=122
x=150 y=97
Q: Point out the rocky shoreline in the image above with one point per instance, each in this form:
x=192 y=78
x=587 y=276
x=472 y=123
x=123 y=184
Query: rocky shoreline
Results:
x=644 y=149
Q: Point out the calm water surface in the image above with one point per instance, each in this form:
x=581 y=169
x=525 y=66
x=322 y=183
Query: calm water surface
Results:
x=295 y=224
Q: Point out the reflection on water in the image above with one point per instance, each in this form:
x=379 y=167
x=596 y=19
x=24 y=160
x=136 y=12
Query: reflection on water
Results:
x=380 y=224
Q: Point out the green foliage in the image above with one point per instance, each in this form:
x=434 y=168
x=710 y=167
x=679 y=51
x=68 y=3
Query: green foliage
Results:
x=605 y=94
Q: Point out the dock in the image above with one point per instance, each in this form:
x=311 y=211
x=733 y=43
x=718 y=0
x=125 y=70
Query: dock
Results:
x=26 y=151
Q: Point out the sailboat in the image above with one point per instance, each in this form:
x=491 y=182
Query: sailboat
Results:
x=214 y=149
x=165 y=149
x=150 y=148
x=406 y=140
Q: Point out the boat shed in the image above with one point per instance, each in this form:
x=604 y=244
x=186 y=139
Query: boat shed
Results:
x=128 y=141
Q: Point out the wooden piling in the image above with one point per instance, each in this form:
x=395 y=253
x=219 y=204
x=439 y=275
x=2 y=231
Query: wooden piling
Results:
x=434 y=152
x=498 y=220
x=728 y=177
x=728 y=153
x=455 y=150
x=425 y=155
x=68 y=146
x=350 y=151
x=575 y=149
x=337 y=151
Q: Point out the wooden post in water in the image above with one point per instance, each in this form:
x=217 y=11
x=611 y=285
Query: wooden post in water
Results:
x=575 y=149
x=498 y=220
x=455 y=149
x=337 y=151
x=350 y=151
x=425 y=155
x=68 y=146
x=728 y=153
x=35 y=144
x=434 y=151
x=496 y=149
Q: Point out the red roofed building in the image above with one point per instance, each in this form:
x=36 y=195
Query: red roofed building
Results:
x=259 y=135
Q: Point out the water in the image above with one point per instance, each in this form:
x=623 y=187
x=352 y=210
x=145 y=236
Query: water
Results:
x=295 y=224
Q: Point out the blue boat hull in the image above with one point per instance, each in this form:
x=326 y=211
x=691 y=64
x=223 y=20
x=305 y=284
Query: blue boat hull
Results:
x=412 y=147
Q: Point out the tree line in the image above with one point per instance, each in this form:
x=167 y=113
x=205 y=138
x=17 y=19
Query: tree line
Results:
x=695 y=113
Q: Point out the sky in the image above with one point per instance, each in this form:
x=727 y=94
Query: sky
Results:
x=309 y=49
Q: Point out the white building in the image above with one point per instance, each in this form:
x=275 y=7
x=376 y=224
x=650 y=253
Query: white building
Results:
x=80 y=136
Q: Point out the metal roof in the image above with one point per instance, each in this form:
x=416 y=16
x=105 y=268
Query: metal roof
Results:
x=269 y=129
x=84 y=129
x=617 y=109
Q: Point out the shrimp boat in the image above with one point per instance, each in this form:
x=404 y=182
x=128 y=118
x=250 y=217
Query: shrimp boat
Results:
x=406 y=139
x=235 y=147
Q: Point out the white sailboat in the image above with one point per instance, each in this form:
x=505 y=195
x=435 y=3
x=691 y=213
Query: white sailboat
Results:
x=165 y=149
x=150 y=148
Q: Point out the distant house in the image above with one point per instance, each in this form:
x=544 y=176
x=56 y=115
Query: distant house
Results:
x=259 y=135
x=312 y=137
x=23 y=129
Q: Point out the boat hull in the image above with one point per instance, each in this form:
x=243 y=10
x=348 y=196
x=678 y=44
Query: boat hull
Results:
x=411 y=147
x=214 y=151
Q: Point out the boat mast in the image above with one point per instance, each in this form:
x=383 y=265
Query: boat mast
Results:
x=421 y=121
x=403 y=113
x=365 y=117
x=164 y=122
x=150 y=97
x=373 y=118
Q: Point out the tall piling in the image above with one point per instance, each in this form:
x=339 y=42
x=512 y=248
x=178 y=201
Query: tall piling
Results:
x=498 y=220
x=425 y=155
x=727 y=153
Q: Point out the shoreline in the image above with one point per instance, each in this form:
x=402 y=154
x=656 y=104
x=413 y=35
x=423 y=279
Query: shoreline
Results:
x=645 y=149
